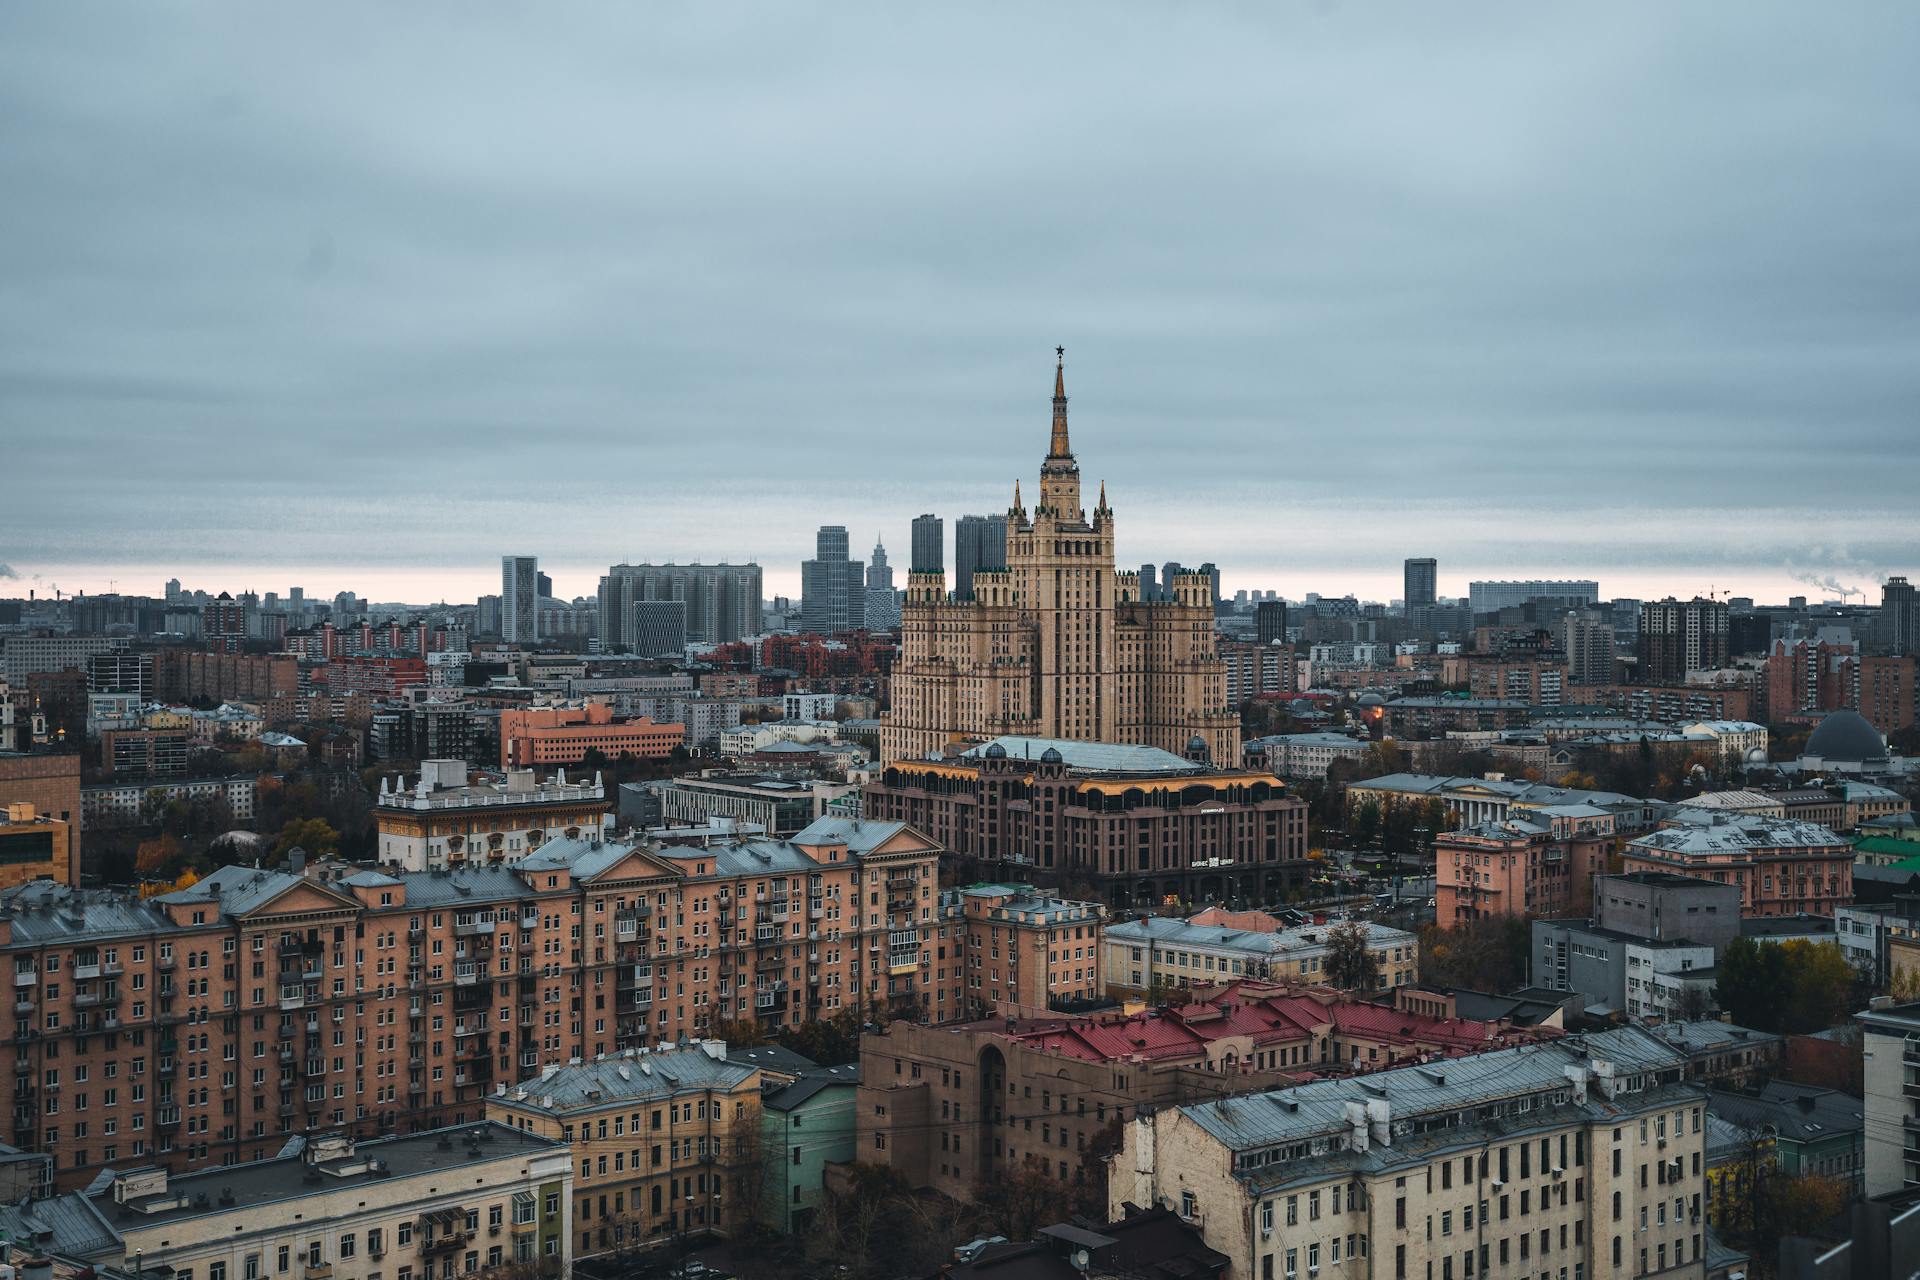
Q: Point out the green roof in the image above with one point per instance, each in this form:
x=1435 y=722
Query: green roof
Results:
x=1887 y=844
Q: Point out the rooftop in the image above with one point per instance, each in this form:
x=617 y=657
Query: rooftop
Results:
x=628 y=1078
x=290 y=1175
x=1088 y=757
x=809 y=1085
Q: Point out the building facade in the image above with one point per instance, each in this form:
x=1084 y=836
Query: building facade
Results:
x=1892 y=1102
x=1782 y=867
x=444 y=821
x=832 y=585
x=722 y=601
x=666 y=1143
x=1583 y=1153
x=519 y=599
x=1142 y=825
x=1541 y=863
x=1058 y=644
x=1162 y=953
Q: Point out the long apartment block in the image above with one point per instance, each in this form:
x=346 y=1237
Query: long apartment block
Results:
x=205 y=1026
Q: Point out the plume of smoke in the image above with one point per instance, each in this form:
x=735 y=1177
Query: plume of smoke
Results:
x=8 y=571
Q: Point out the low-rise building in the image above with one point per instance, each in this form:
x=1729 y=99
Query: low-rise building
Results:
x=807 y=1125
x=1868 y=933
x=121 y=804
x=1781 y=867
x=1810 y=1130
x=1582 y=1153
x=555 y=736
x=666 y=1144
x=777 y=804
x=1496 y=798
x=33 y=846
x=443 y=820
x=460 y=1200
x=1302 y=755
x=1156 y=953
x=1723 y=1055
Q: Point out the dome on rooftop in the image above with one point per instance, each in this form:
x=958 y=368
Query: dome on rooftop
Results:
x=1846 y=735
x=1050 y=756
x=995 y=751
x=1372 y=700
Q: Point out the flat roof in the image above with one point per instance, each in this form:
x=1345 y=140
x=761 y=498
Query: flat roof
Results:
x=290 y=1176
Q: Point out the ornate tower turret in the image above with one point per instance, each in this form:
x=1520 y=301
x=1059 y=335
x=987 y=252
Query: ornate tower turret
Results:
x=1060 y=474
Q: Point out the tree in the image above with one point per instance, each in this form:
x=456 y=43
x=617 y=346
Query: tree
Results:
x=1486 y=954
x=1021 y=1200
x=156 y=856
x=1351 y=964
x=1364 y=826
x=1788 y=987
x=310 y=834
x=1694 y=1003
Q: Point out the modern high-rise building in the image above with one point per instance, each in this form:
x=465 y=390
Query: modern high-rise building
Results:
x=1149 y=582
x=722 y=601
x=1491 y=597
x=1589 y=644
x=1681 y=636
x=1422 y=581
x=519 y=599
x=929 y=545
x=832 y=586
x=1212 y=571
x=1270 y=622
x=882 y=601
x=1898 y=617
x=979 y=542
x=1058 y=644
x=658 y=628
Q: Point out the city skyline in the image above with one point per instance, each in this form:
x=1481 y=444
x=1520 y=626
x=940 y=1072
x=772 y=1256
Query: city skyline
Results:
x=1613 y=322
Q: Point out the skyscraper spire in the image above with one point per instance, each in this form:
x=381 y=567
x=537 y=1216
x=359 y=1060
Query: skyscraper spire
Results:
x=1059 y=448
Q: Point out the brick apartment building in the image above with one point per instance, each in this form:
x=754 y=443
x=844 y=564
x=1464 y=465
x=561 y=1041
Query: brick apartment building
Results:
x=1540 y=863
x=191 y=675
x=208 y=1025
x=1142 y=825
x=950 y=1107
x=564 y=735
x=1782 y=867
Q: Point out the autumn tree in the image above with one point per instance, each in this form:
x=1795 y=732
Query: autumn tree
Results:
x=310 y=834
x=1484 y=954
x=157 y=856
x=1351 y=963
x=1021 y=1200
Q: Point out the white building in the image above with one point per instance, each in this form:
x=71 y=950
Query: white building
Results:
x=456 y=1201
x=442 y=820
x=1170 y=952
x=1737 y=740
x=118 y=805
x=808 y=706
x=1892 y=1036
x=1303 y=755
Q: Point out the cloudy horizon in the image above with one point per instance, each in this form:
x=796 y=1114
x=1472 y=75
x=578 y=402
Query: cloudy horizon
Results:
x=364 y=297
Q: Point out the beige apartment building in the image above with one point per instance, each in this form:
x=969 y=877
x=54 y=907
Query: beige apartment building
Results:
x=1580 y=1156
x=1055 y=642
x=449 y=1202
x=205 y=1026
x=665 y=1143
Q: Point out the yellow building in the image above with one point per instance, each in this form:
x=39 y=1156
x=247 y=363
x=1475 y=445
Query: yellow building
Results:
x=1734 y=1156
x=32 y=846
x=665 y=1144
x=1056 y=643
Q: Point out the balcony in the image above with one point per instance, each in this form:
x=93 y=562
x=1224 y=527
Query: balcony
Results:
x=416 y=1086
x=86 y=999
x=87 y=972
x=769 y=963
x=166 y=1118
x=473 y=928
x=24 y=1005
x=25 y=977
x=465 y=975
x=293 y=1000
x=164 y=964
x=288 y=1054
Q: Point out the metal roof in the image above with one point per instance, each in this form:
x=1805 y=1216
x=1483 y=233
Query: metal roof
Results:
x=643 y=1077
x=1098 y=757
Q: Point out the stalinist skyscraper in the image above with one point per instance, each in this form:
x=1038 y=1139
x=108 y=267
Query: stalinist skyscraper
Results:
x=1057 y=644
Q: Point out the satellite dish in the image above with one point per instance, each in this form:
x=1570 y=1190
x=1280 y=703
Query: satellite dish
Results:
x=1080 y=1259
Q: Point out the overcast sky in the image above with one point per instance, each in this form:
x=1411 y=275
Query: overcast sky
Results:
x=367 y=297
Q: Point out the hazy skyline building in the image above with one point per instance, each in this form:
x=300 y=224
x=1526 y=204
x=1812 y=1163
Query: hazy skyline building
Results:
x=882 y=601
x=1678 y=636
x=832 y=585
x=1270 y=622
x=519 y=599
x=1491 y=597
x=1588 y=641
x=1421 y=582
x=1897 y=615
x=928 y=552
x=979 y=542
x=722 y=601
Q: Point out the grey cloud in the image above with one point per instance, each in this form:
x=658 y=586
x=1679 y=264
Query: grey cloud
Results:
x=689 y=280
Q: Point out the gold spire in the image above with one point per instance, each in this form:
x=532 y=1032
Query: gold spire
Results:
x=1016 y=496
x=1058 y=447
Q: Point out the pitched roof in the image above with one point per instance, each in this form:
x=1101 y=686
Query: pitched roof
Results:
x=642 y=1077
x=810 y=1085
